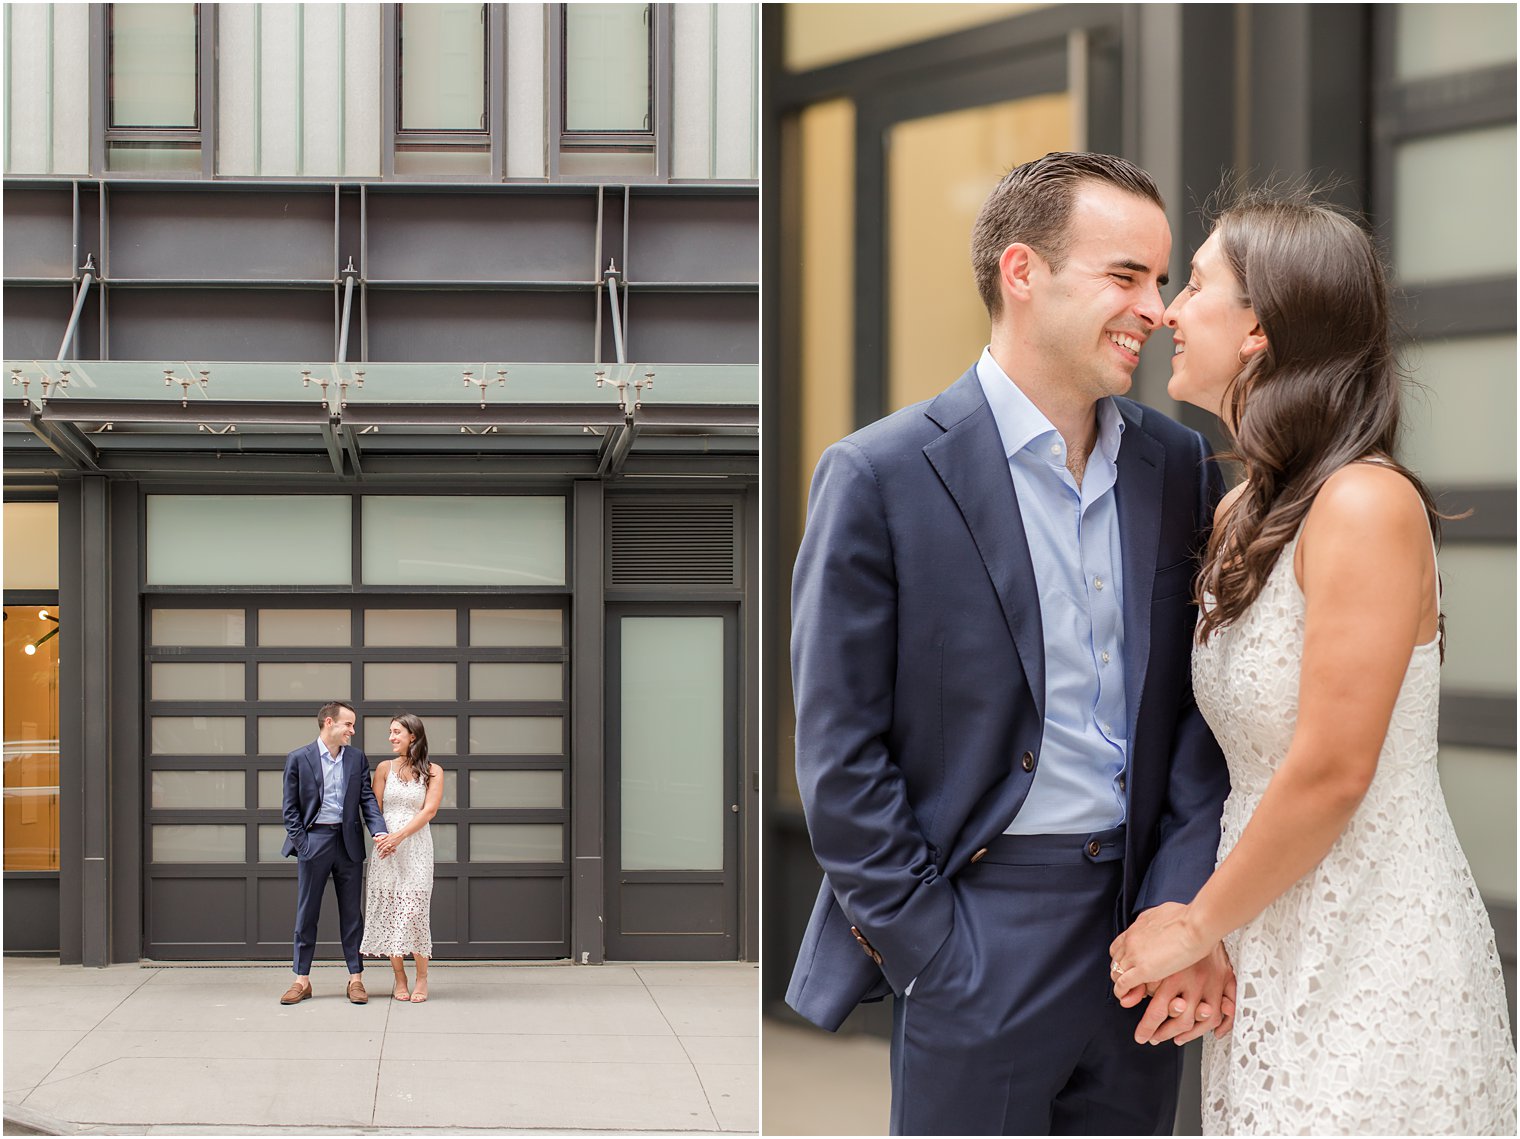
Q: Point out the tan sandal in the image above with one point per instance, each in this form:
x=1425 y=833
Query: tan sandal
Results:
x=400 y=991
x=420 y=994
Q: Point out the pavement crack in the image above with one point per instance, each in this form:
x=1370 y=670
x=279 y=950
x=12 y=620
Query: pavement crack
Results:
x=706 y=1097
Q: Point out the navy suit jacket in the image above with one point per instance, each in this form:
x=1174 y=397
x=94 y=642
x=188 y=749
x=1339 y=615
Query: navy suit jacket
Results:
x=919 y=678
x=303 y=799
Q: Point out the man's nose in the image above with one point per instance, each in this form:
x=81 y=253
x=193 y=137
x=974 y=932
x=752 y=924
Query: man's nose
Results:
x=1151 y=308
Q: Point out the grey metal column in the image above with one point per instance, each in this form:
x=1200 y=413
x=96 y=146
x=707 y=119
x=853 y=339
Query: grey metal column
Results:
x=93 y=618
x=588 y=725
x=749 y=734
x=71 y=718
x=126 y=863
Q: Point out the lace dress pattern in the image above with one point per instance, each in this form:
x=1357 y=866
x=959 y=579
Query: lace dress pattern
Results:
x=1370 y=997
x=399 y=891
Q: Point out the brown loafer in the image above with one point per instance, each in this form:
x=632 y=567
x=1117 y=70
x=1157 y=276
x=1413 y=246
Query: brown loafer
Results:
x=356 y=993
x=296 y=993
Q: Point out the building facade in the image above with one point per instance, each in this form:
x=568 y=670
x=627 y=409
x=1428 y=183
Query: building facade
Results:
x=405 y=355
x=885 y=134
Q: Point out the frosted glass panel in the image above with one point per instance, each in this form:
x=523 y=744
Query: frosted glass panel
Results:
x=204 y=680
x=517 y=628
x=1479 y=602
x=152 y=65
x=317 y=683
x=249 y=539
x=271 y=840
x=1438 y=39
x=198 y=790
x=517 y=842
x=280 y=735
x=464 y=540
x=518 y=790
x=445 y=841
x=517 y=682
x=606 y=67
x=197 y=843
x=197 y=628
x=517 y=735
x=1480 y=794
x=272 y=789
x=1447 y=228
x=1444 y=441
x=410 y=628
x=31 y=544
x=443 y=67
x=197 y=735
x=672 y=743
x=442 y=734
x=409 y=682
x=306 y=628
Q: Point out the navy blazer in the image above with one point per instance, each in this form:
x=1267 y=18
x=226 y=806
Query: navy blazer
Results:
x=303 y=799
x=919 y=677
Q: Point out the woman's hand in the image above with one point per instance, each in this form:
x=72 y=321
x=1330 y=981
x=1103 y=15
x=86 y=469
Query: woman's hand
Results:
x=1163 y=940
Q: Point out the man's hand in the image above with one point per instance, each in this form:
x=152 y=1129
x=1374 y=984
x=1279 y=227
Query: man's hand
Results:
x=1189 y=1003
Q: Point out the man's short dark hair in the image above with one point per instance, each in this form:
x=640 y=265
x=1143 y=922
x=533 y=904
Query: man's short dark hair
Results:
x=329 y=711
x=1032 y=204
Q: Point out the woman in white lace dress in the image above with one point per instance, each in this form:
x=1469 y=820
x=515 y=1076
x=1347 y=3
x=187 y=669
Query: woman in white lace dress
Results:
x=1369 y=993
x=399 y=892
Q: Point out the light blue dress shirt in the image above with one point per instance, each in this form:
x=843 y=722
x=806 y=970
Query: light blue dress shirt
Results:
x=332 y=785
x=1073 y=535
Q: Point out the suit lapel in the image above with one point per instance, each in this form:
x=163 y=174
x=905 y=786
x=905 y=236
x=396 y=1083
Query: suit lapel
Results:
x=969 y=460
x=314 y=762
x=1137 y=494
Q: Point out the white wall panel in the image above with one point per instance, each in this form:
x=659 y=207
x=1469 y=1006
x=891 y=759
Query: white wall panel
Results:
x=278 y=111
x=526 y=78
x=734 y=108
x=71 y=95
x=361 y=103
x=322 y=93
x=26 y=105
x=237 y=96
x=691 y=88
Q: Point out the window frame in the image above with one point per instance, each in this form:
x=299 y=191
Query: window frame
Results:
x=493 y=137
x=654 y=141
x=103 y=135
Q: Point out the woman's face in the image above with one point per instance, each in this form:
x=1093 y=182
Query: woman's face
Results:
x=401 y=739
x=1211 y=331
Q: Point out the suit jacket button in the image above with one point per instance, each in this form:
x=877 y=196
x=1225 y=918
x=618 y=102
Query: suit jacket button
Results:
x=1028 y=761
x=870 y=949
x=977 y=857
x=1094 y=847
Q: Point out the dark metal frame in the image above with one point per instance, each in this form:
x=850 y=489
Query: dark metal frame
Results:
x=570 y=137
x=28 y=598
x=356 y=655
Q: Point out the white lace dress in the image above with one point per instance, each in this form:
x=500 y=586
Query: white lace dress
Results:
x=399 y=891
x=1370 y=998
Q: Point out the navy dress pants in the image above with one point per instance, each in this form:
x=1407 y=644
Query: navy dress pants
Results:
x=326 y=858
x=1012 y=1028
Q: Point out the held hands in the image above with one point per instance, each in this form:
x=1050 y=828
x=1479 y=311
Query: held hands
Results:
x=385 y=845
x=1191 y=984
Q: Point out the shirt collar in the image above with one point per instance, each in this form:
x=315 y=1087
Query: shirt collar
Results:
x=1020 y=422
x=323 y=753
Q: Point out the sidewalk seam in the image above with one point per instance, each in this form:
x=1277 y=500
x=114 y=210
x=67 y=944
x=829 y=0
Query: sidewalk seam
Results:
x=706 y=1098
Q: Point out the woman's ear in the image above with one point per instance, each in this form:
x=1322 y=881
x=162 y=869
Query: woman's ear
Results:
x=1255 y=341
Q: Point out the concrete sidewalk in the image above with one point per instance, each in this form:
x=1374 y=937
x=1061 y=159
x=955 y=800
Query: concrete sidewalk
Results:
x=505 y=1048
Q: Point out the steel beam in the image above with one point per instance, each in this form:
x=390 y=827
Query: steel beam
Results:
x=84 y=290
x=330 y=440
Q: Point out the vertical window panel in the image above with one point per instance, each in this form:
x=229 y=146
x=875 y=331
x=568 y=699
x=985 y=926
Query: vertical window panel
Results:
x=607 y=67
x=31 y=545
x=443 y=67
x=1478 y=598
x=445 y=841
x=271 y=790
x=1441 y=39
x=1443 y=440
x=31 y=738
x=153 y=66
x=672 y=743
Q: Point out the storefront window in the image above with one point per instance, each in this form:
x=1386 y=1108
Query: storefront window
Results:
x=31 y=737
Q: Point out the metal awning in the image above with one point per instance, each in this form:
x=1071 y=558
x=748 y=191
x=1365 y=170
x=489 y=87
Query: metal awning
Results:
x=132 y=415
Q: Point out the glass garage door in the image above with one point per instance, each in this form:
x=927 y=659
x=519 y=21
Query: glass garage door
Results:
x=233 y=684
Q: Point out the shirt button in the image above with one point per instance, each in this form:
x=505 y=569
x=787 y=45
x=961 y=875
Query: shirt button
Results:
x=1104 y=656
x=1098 y=582
x=1055 y=448
x=1108 y=729
x=1122 y=784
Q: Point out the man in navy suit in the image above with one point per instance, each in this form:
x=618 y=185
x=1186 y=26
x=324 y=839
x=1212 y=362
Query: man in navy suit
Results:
x=327 y=789
x=997 y=746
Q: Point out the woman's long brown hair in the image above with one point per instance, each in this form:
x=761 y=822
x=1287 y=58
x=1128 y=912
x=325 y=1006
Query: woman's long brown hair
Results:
x=1323 y=393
